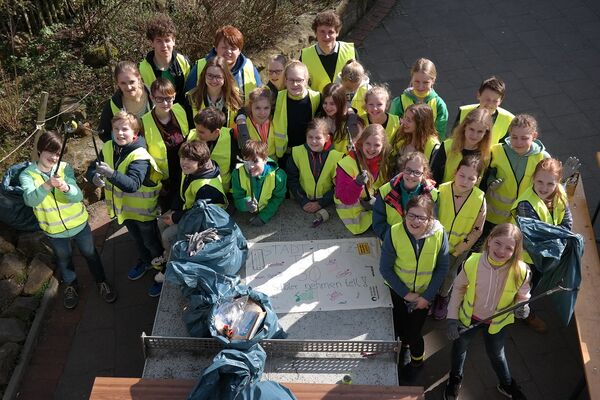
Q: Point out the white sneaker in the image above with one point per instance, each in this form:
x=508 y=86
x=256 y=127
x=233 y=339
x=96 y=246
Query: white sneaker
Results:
x=159 y=278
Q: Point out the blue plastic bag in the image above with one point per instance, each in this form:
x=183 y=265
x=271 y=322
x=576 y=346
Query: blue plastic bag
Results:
x=270 y=328
x=13 y=210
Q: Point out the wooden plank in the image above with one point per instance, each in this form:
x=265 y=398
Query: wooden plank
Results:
x=168 y=389
x=587 y=312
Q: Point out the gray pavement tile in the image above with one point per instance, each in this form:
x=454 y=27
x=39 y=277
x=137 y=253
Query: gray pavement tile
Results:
x=590 y=30
x=557 y=26
x=501 y=35
x=557 y=104
x=522 y=23
x=533 y=38
x=509 y=8
x=463 y=27
x=581 y=90
x=519 y=101
x=478 y=47
x=574 y=126
x=580 y=14
x=469 y=78
x=565 y=72
x=511 y=51
x=450 y=60
x=541 y=10
x=540 y=86
x=569 y=41
x=551 y=55
x=388 y=70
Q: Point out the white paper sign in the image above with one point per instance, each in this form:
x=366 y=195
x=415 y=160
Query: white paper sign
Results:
x=321 y=275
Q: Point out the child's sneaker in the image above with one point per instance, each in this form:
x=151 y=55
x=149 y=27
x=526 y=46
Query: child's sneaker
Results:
x=512 y=391
x=155 y=289
x=440 y=311
x=70 y=297
x=137 y=271
x=158 y=262
x=109 y=295
x=159 y=277
x=452 y=388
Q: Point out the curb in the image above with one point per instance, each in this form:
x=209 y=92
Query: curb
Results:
x=12 y=389
x=370 y=21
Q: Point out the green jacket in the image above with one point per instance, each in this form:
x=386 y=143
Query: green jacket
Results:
x=440 y=111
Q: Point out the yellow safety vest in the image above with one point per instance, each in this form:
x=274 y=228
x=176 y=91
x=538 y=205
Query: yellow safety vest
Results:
x=154 y=141
x=507 y=299
x=221 y=154
x=430 y=145
x=407 y=101
x=147 y=72
x=315 y=190
x=358 y=101
x=266 y=191
x=189 y=197
x=501 y=199
x=393 y=123
x=354 y=216
x=114 y=107
x=247 y=76
x=229 y=115
x=459 y=223
x=254 y=135
x=501 y=124
x=138 y=206
x=452 y=160
x=318 y=76
x=56 y=214
x=555 y=217
x=415 y=272
x=280 y=119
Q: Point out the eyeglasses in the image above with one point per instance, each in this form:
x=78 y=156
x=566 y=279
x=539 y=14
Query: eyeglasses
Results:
x=212 y=77
x=167 y=100
x=412 y=217
x=296 y=81
x=416 y=174
x=275 y=71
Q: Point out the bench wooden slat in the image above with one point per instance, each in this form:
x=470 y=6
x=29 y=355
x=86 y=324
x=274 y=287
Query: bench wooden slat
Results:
x=172 y=389
x=587 y=312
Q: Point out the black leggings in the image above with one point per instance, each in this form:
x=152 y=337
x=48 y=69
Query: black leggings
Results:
x=408 y=326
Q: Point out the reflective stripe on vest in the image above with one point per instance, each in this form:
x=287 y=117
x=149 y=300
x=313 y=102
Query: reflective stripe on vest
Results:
x=501 y=199
x=280 y=119
x=458 y=224
x=318 y=76
x=315 y=190
x=147 y=72
x=501 y=123
x=141 y=205
x=415 y=272
x=254 y=135
x=189 y=197
x=154 y=141
x=229 y=115
x=56 y=214
x=507 y=299
x=221 y=154
x=248 y=80
x=267 y=188
x=407 y=101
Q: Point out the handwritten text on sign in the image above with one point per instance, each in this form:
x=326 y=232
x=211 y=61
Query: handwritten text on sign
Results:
x=322 y=275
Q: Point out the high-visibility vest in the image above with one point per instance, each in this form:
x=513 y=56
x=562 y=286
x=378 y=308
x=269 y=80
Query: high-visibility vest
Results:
x=56 y=214
x=354 y=216
x=229 y=114
x=324 y=183
x=247 y=77
x=459 y=223
x=453 y=158
x=189 y=196
x=392 y=214
x=318 y=76
x=407 y=101
x=147 y=72
x=554 y=218
x=431 y=144
x=280 y=120
x=154 y=141
x=415 y=272
x=392 y=125
x=500 y=200
x=500 y=126
x=507 y=299
x=221 y=154
x=358 y=101
x=254 y=135
x=266 y=191
x=141 y=205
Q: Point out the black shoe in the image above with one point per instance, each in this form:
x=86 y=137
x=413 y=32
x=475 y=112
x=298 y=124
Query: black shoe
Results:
x=409 y=373
x=70 y=297
x=512 y=391
x=109 y=295
x=452 y=388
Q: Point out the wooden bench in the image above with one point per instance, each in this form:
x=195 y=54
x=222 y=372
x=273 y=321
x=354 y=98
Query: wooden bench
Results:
x=173 y=389
x=587 y=312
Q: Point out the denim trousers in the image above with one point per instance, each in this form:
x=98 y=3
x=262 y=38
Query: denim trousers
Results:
x=64 y=255
x=494 y=347
x=147 y=239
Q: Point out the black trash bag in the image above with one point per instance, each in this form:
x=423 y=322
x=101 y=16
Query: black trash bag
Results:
x=13 y=210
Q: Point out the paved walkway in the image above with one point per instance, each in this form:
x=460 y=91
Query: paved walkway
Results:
x=547 y=51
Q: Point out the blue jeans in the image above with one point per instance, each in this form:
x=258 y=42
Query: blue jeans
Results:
x=147 y=239
x=64 y=252
x=494 y=346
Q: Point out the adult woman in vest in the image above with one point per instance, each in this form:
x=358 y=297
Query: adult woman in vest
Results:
x=489 y=282
x=414 y=262
x=131 y=96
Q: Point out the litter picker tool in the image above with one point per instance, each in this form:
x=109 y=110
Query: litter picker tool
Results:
x=70 y=127
x=352 y=147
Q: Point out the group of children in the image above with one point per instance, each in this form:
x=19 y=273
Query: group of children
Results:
x=322 y=133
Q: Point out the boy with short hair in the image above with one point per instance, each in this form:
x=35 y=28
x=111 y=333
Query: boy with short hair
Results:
x=223 y=150
x=327 y=57
x=163 y=60
x=490 y=95
x=132 y=183
x=259 y=185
